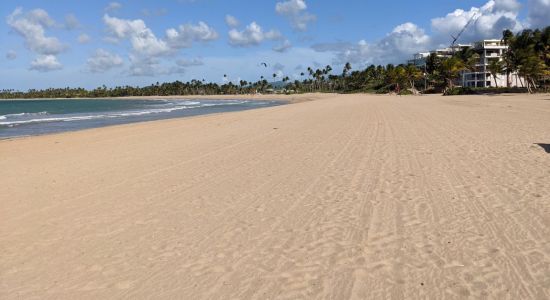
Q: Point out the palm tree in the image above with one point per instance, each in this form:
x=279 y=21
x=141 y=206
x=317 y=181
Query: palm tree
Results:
x=531 y=68
x=508 y=61
x=412 y=73
x=450 y=69
x=495 y=67
x=346 y=70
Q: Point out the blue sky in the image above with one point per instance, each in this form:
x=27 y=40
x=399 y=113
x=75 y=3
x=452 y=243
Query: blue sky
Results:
x=90 y=43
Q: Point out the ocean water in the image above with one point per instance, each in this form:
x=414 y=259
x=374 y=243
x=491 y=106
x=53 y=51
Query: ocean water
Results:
x=36 y=117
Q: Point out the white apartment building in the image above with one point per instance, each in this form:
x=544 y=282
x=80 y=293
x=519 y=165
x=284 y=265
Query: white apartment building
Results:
x=488 y=50
x=419 y=59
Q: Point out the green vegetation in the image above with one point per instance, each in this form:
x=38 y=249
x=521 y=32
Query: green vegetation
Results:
x=528 y=55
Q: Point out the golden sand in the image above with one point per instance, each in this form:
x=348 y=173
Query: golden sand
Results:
x=348 y=196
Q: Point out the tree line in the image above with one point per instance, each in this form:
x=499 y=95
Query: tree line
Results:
x=528 y=55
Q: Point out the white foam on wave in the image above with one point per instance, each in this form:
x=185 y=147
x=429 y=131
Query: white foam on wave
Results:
x=93 y=117
x=9 y=116
x=175 y=106
x=191 y=103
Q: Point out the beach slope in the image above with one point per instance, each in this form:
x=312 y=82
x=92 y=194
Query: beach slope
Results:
x=355 y=196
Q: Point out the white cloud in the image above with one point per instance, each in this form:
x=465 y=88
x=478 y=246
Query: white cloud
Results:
x=143 y=40
x=406 y=39
x=71 y=22
x=507 y=5
x=32 y=27
x=185 y=35
x=113 y=6
x=295 y=11
x=283 y=47
x=45 y=63
x=102 y=61
x=11 y=55
x=290 y=7
x=492 y=18
x=397 y=46
x=232 y=21
x=83 y=38
x=252 y=35
x=147 y=49
x=539 y=13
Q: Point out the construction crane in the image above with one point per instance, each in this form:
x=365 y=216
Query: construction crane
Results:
x=474 y=17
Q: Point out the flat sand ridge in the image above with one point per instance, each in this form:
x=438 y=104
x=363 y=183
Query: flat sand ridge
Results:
x=356 y=196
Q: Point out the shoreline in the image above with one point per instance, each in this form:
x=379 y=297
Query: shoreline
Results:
x=89 y=120
x=287 y=99
x=293 y=98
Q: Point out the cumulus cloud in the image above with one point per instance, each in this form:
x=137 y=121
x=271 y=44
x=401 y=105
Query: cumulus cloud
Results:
x=32 y=27
x=296 y=12
x=539 y=13
x=398 y=45
x=147 y=48
x=232 y=21
x=143 y=40
x=71 y=22
x=406 y=39
x=45 y=63
x=290 y=7
x=507 y=5
x=252 y=35
x=113 y=6
x=103 y=60
x=83 y=38
x=185 y=35
x=11 y=55
x=490 y=20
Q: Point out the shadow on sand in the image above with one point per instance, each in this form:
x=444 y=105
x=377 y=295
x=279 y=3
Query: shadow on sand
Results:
x=546 y=147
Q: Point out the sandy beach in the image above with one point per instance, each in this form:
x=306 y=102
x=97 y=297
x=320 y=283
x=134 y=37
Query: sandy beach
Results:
x=338 y=197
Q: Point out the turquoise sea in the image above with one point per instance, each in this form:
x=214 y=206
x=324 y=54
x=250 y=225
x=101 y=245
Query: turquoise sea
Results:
x=36 y=117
